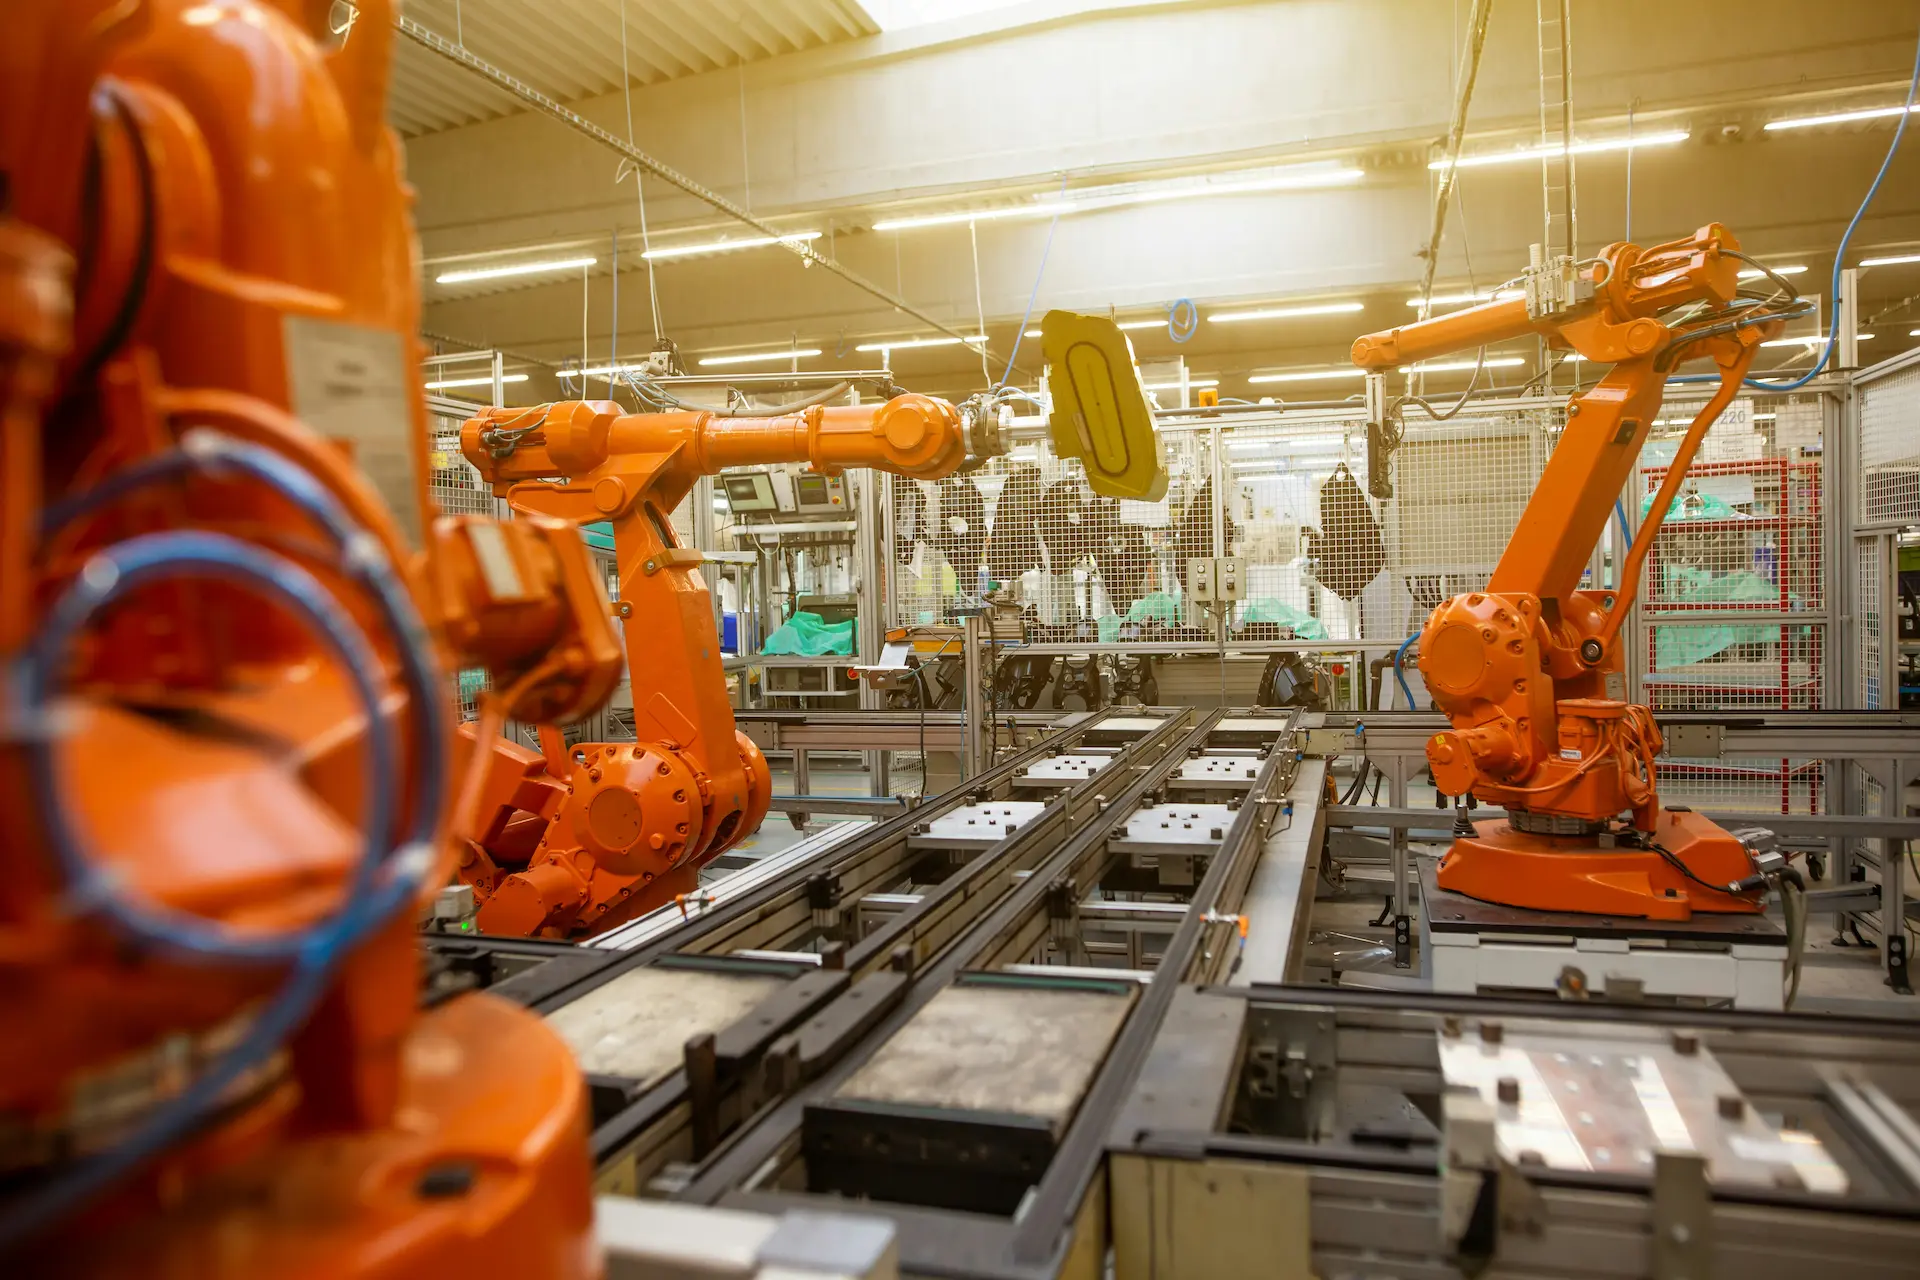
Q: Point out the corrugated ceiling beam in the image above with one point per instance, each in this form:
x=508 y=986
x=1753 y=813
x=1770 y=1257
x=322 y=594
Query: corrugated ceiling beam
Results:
x=666 y=173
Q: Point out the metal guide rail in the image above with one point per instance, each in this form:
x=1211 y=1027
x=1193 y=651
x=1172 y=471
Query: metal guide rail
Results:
x=1297 y=1131
x=974 y=978
x=1035 y=1027
x=964 y=1093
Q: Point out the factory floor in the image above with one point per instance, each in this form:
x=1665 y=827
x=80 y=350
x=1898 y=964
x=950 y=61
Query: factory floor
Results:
x=1838 y=976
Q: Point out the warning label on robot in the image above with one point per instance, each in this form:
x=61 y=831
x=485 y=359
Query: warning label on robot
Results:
x=348 y=383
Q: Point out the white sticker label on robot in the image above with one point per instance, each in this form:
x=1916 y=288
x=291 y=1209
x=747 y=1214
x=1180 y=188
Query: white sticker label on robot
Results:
x=1569 y=753
x=348 y=383
x=496 y=562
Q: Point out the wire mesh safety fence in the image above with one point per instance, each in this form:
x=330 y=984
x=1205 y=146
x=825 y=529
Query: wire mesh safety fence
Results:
x=1327 y=562
x=1889 y=448
x=1869 y=563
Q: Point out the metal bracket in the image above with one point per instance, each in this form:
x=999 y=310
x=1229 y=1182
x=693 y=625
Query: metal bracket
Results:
x=1897 y=964
x=1682 y=1217
x=1326 y=742
x=1403 y=942
x=1694 y=741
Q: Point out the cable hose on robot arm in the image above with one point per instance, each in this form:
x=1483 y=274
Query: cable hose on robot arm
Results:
x=384 y=881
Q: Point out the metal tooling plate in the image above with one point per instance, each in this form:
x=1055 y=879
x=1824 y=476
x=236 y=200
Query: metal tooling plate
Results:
x=1130 y=724
x=1025 y=1051
x=1456 y=913
x=1606 y=1097
x=974 y=825
x=1066 y=770
x=1237 y=771
x=637 y=1025
x=1157 y=828
x=1252 y=724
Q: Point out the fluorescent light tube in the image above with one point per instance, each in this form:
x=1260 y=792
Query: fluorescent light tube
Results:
x=1308 y=375
x=1838 y=117
x=906 y=344
x=1811 y=340
x=445 y=384
x=1285 y=443
x=1194 y=190
x=758 y=357
x=1899 y=260
x=1174 y=386
x=1118 y=195
x=1126 y=325
x=1547 y=150
x=1031 y=333
x=1041 y=209
x=727 y=246
x=1463 y=366
x=1461 y=299
x=1285 y=313
x=517 y=269
x=1754 y=273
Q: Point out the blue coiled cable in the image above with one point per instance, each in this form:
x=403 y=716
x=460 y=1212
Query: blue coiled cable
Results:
x=370 y=897
x=1183 y=320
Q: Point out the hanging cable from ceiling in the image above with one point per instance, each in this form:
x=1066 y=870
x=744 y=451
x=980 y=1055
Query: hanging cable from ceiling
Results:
x=639 y=178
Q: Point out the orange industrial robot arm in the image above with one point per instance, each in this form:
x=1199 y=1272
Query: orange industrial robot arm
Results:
x=1528 y=671
x=622 y=828
x=225 y=739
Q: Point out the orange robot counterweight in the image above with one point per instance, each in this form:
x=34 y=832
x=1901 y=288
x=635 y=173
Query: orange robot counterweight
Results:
x=1529 y=670
x=572 y=843
x=226 y=774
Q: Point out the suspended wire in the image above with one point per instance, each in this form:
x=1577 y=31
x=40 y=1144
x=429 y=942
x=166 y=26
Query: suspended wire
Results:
x=1046 y=252
x=979 y=305
x=639 y=178
x=1840 y=254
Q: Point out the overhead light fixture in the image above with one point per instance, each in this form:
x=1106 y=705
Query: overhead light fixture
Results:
x=605 y=371
x=1285 y=313
x=1811 y=340
x=1913 y=333
x=1119 y=195
x=1031 y=333
x=447 y=384
x=1547 y=151
x=907 y=344
x=1296 y=178
x=727 y=246
x=1175 y=386
x=1040 y=209
x=1838 y=117
x=1129 y=325
x=1462 y=299
x=1765 y=417
x=1899 y=260
x=758 y=357
x=1463 y=366
x=1308 y=375
x=1754 y=273
x=516 y=269
x=1285 y=442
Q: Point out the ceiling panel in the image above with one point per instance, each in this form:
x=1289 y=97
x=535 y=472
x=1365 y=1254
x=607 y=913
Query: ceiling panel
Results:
x=571 y=49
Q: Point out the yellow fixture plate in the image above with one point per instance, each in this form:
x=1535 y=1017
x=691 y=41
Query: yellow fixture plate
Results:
x=1100 y=411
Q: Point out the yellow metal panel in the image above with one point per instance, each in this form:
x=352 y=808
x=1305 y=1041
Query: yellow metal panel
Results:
x=1100 y=411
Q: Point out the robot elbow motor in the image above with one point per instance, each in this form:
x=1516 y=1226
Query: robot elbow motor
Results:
x=1462 y=757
